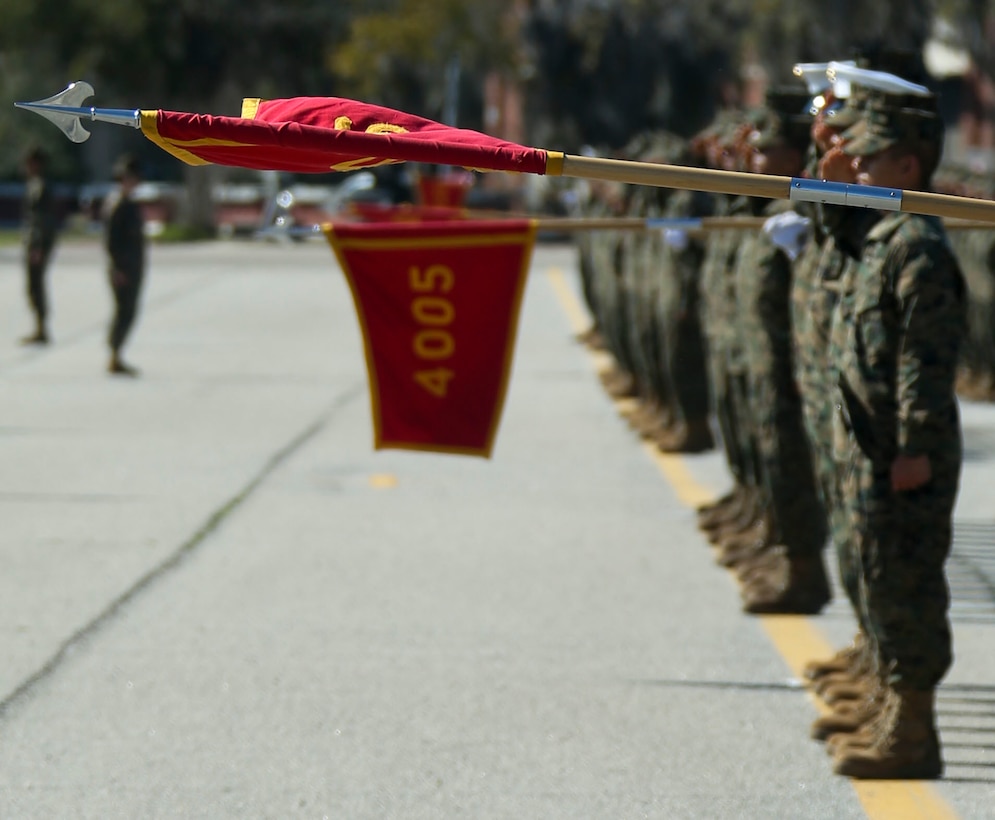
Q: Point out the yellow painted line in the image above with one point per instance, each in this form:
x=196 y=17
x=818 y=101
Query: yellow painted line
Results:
x=383 y=481
x=675 y=470
x=796 y=637
x=576 y=314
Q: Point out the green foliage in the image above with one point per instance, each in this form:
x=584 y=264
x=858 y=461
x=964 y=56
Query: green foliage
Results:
x=594 y=71
x=398 y=53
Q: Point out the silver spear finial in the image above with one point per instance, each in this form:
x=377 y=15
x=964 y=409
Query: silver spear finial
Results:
x=63 y=110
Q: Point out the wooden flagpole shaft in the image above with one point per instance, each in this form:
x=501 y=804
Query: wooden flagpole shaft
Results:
x=635 y=223
x=677 y=176
x=948 y=206
x=706 y=224
x=775 y=187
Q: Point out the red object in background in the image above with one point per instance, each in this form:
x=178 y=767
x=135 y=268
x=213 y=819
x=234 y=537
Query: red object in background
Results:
x=438 y=304
x=405 y=212
x=445 y=190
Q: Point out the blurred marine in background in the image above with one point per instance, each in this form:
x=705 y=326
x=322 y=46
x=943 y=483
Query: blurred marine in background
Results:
x=39 y=240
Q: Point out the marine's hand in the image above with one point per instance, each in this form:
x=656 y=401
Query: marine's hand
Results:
x=789 y=231
x=910 y=472
x=836 y=166
x=118 y=279
x=675 y=238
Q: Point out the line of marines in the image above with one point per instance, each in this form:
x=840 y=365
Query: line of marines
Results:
x=826 y=348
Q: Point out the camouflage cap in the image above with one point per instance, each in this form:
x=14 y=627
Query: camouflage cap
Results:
x=745 y=122
x=860 y=99
x=779 y=128
x=884 y=126
x=786 y=119
x=787 y=100
x=719 y=122
x=847 y=112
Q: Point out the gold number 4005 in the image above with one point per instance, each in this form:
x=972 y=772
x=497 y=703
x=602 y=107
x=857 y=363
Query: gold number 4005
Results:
x=433 y=313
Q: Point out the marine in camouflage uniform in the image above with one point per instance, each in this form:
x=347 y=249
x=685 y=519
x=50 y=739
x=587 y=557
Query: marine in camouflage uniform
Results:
x=39 y=228
x=815 y=291
x=648 y=273
x=679 y=300
x=739 y=511
x=817 y=284
x=896 y=337
x=783 y=571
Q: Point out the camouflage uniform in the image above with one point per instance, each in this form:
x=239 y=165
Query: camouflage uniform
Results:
x=816 y=283
x=896 y=337
x=679 y=306
x=975 y=250
x=653 y=288
x=719 y=303
x=598 y=254
x=763 y=286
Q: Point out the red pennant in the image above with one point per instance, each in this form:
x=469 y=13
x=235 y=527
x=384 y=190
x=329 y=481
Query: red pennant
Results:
x=438 y=304
x=324 y=134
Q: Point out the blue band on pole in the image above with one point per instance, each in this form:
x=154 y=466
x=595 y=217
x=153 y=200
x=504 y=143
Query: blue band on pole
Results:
x=842 y=193
x=674 y=223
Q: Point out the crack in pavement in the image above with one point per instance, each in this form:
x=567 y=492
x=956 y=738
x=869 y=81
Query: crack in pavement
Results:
x=173 y=561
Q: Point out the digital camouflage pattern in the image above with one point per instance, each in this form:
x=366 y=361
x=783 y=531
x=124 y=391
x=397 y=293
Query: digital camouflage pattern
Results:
x=719 y=319
x=816 y=283
x=679 y=307
x=896 y=337
x=763 y=281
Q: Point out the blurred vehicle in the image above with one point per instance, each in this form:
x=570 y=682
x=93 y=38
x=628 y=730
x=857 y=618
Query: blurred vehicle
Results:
x=293 y=211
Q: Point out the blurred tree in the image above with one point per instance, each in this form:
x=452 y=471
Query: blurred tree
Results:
x=603 y=70
x=398 y=53
x=181 y=54
x=595 y=71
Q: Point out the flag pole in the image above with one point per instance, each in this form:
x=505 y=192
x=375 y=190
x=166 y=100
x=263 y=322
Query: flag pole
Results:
x=64 y=110
x=693 y=226
x=772 y=187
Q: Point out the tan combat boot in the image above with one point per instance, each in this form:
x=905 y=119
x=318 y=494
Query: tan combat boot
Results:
x=752 y=557
x=592 y=338
x=842 y=661
x=711 y=506
x=693 y=436
x=742 y=555
x=905 y=747
x=714 y=514
x=722 y=513
x=644 y=416
x=663 y=422
x=748 y=516
x=852 y=689
x=850 y=717
x=801 y=587
x=742 y=495
x=865 y=736
x=864 y=665
x=619 y=384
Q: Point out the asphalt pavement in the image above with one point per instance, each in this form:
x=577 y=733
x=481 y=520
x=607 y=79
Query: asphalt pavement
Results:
x=217 y=600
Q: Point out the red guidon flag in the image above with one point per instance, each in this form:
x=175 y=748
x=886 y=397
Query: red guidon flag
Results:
x=438 y=304
x=323 y=134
